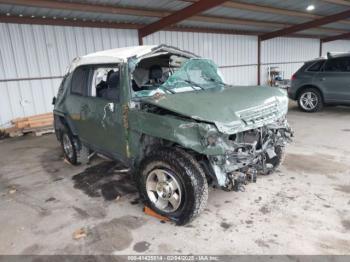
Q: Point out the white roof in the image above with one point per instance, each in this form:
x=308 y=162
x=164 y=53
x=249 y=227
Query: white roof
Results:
x=117 y=55
x=121 y=55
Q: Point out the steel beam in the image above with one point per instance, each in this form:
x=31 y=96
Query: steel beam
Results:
x=336 y=37
x=304 y=26
x=179 y=16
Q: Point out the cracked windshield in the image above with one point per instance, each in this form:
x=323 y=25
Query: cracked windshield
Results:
x=194 y=74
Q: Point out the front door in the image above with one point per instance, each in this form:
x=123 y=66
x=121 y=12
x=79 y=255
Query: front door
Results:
x=100 y=121
x=335 y=80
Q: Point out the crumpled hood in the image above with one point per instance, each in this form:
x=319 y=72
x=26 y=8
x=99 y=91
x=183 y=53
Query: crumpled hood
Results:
x=231 y=109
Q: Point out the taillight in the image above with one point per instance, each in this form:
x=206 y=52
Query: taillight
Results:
x=294 y=77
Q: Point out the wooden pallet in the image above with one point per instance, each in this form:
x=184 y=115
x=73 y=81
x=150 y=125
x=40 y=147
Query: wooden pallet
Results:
x=37 y=124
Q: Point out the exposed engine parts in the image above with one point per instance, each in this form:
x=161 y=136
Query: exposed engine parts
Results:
x=253 y=152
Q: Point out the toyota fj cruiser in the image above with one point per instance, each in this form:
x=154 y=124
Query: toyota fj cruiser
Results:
x=168 y=116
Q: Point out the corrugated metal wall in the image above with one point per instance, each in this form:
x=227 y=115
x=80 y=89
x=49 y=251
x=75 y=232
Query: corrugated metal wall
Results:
x=236 y=55
x=336 y=46
x=36 y=51
x=288 y=54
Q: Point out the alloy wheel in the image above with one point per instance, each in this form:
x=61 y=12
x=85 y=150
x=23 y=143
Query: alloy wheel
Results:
x=163 y=189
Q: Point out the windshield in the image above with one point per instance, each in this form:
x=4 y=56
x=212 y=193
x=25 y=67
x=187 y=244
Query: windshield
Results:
x=194 y=74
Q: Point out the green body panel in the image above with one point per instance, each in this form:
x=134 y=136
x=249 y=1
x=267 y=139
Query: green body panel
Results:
x=98 y=122
x=185 y=133
x=222 y=106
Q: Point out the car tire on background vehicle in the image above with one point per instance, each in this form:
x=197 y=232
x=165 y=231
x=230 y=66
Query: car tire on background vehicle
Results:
x=276 y=161
x=173 y=184
x=73 y=151
x=310 y=100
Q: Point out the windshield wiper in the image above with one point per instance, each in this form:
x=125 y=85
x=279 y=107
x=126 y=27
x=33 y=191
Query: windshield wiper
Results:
x=168 y=89
x=194 y=84
x=217 y=81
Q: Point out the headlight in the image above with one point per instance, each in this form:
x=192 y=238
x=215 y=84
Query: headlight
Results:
x=212 y=139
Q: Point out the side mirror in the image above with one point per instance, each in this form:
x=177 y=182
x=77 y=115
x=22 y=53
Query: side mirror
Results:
x=54 y=100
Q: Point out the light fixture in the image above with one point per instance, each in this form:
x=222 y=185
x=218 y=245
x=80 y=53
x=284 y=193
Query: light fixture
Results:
x=32 y=16
x=64 y=18
x=54 y=17
x=74 y=19
x=310 y=7
x=8 y=14
x=20 y=15
x=43 y=16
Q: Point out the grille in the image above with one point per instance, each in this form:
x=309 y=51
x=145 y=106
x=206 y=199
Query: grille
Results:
x=259 y=114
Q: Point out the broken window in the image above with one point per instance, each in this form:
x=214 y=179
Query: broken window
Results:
x=174 y=74
x=105 y=83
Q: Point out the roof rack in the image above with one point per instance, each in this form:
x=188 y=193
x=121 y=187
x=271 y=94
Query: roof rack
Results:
x=337 y=54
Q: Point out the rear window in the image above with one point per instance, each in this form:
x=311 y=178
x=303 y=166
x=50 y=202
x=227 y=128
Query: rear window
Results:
x=341 y=64
x=316 y=67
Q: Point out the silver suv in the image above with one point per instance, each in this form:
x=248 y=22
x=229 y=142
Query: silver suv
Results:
x=322 y=81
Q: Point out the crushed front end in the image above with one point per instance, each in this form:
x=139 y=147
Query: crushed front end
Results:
x=259 y=150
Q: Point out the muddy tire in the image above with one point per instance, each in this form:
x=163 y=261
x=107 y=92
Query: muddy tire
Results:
x=173 y=184
x=74 y=152
x=310 y=100
x=275 y=162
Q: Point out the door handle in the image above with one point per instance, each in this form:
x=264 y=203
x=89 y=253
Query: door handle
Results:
x=322 y=79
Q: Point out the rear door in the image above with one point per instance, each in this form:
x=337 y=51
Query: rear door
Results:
x=335 y=80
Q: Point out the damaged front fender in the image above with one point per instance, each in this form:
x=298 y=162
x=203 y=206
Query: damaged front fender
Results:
x=189 y=134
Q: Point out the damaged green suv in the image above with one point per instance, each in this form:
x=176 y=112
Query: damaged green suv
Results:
x=168 y=115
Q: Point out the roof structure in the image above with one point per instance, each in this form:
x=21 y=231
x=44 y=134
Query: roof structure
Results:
x=120 y=55
x=266 y=18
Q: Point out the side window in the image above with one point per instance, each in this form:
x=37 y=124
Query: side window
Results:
x=341 y=64
x=105 y=83
x=80 y=81
x=316 y=67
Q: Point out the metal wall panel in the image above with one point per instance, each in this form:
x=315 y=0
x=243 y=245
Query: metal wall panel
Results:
x=336 y=46
x=287 y=53
x=227 y=51
x=35 y=51
x=31 y=51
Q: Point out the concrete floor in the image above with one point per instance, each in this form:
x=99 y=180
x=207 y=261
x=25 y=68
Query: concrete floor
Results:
x=304 y=208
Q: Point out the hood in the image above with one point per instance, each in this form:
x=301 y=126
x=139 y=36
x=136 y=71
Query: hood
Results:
x=231 y=109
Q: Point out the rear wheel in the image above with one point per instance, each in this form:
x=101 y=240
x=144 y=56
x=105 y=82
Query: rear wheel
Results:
x=173 y=184
x=310 y=100
x=73 y=151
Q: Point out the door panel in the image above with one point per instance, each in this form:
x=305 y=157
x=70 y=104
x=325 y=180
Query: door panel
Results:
x=335 y=80
x=102 y=112
x=103 y=126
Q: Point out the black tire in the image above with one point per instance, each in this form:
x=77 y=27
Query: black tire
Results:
x=79 y=154
x=315 y=92
x=274 y=162
x=190 y=176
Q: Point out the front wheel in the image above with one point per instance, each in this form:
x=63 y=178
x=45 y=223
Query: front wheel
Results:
x=173 y=184
x=310 y=100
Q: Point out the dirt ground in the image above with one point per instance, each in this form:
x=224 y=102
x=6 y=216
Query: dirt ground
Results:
x=304 y=208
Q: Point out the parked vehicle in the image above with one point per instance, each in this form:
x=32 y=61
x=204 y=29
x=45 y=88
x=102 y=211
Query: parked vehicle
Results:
x=168 y=115
x=321 y=82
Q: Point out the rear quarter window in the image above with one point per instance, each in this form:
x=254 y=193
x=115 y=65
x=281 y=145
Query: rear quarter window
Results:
x=316 y=67
x=80 y=80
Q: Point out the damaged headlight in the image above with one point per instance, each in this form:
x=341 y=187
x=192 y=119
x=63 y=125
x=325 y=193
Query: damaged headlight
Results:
x=212 y=139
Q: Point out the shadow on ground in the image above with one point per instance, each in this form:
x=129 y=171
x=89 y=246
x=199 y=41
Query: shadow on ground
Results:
x=106 y=180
